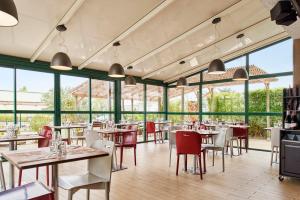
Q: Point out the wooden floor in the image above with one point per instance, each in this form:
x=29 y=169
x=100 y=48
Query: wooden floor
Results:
x=246 y=177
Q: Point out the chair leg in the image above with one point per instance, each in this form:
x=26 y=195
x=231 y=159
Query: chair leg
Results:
x=200 y=167
x=2 y=179
x=121 y=157
x=276 y=154
x=155 y=138
x=47 y=174
x=70 y=195
x=204 y=160
x=170 y=157
x=185 y=162
x=88 y=194
x=177 y=165
x=107 y=191
x=223 y=159
x=231 y=148
x=115 y=157
x=272 y=151
x=20 y=177
x=213 y=160
x=37 y=173
x=134 y=150
x=240 y=146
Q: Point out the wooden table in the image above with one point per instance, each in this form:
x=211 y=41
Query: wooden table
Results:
x=127 y=124
x=26 y=159
x=13 y=146
x=2 y=130
x=68 y=128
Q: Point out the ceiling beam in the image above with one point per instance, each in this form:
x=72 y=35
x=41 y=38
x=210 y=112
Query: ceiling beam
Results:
x=124 y=34
x=236 y=53
x=199 y=26
x=65 y=18
x=195 y=53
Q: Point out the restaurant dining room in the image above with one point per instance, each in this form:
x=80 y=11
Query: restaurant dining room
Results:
x=149 y=99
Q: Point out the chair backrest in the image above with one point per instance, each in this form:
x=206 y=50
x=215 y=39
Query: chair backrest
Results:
x=275 y=137
x=90 y=137
x=229 y=133
x=96 y=124
x=46 y=132
x=129 y=138
x=150 y=127
x=102 y=166
x=220 y=138
x=240 y=132
x=188 y=142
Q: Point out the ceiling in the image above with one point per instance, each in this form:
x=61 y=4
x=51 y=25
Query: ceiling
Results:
x=154 y=35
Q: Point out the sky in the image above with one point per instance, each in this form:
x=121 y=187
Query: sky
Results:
x=277 y=58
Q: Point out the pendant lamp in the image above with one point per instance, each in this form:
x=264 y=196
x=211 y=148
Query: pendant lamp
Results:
x=8 y=13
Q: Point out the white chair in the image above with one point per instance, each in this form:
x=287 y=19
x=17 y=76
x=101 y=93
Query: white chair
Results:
x=219 y=144
x=2 y=179
x=98 y=176
x=229 y=140
x=91 y=136
x=172 y=140
x=275 y=143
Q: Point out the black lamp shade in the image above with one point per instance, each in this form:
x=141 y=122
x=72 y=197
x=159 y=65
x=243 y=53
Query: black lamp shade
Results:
x=130 y=81
x=8 y=13
x=61 y=61
x=216 y=67
x=116 y=71
x=240 y=75
x=182 y=82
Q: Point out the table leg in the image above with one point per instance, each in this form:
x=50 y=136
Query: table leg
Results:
x=11 y=167
x=55 y=181
x=69 y=136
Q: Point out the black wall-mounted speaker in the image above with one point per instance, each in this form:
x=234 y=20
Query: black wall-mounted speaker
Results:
x=283 y=13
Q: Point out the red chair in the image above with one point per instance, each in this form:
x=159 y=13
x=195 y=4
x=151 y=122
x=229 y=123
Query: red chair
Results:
x=127 y=140
x=150 y=129
x=242 y=134
x=47 y=134
x=189 y=142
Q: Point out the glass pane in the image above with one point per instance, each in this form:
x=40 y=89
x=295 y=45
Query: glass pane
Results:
x=191 y=99
x=6 y=89
x=224 y=118
x=259 y=137
x=74 y=93
x=6 y=119
x=132 y=97
x=175 y=99
x=74 y=118
x=102 y=95
x=223 y=97
x=265 y=95
x=155 y=98
x=155 y=117
x=103 y=117
x=32 y=123
x=280 y=58
x=35 y=90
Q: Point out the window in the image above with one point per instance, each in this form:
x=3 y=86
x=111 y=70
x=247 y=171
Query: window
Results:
x=223 y=97
x=154 y=98
x=280 y=58
x=6 y=119
x=132 y=98
x=74 y=118
x=175 y=100
x=32 y=123
x=265 y=95
x=6 y=89
x=74 y=93
x=102 y=95
x=191 y=99
x=35 y=90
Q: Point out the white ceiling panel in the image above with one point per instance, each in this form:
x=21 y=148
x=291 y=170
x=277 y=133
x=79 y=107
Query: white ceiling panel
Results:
x=95 y=24
x=36 y=19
